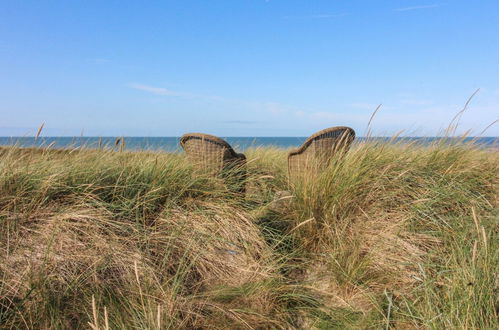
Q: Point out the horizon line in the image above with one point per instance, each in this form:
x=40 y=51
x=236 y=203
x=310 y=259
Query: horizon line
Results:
x=227 y=136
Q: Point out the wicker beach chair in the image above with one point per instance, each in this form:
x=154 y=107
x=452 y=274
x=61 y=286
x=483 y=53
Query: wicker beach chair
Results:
x=316 y=152
x=215 y=156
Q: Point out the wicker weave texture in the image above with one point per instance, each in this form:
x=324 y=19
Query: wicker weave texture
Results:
x=317 y=150
x=210 y=153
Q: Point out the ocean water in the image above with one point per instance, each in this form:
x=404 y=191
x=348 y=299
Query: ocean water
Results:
x=172 y=143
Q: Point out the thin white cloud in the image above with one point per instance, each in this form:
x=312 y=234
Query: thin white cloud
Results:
x=435 y=5
x=157 y=90
x=168 y=92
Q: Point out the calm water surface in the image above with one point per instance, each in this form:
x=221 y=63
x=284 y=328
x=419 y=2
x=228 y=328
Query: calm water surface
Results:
x=172 y=143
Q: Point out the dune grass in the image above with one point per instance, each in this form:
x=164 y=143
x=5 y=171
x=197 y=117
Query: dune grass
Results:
x=389 y=236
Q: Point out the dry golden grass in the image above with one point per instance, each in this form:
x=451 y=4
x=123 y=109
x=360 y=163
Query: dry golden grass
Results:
x=389 y=236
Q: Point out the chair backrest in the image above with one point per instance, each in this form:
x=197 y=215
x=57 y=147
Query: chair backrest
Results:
x=316 y=152
x=209 y=152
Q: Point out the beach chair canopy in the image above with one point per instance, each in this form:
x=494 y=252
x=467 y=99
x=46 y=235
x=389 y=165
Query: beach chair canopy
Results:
x=210 y=153
x=316 y=152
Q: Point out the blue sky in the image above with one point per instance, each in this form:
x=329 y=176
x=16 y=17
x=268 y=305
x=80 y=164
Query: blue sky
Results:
x=247 y=67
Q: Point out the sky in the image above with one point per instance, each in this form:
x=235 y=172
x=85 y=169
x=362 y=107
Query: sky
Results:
x=247 y=67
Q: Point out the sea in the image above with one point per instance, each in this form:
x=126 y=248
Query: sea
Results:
x=171 y=144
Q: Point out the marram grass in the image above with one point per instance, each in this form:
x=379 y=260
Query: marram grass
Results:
x=388 y=236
